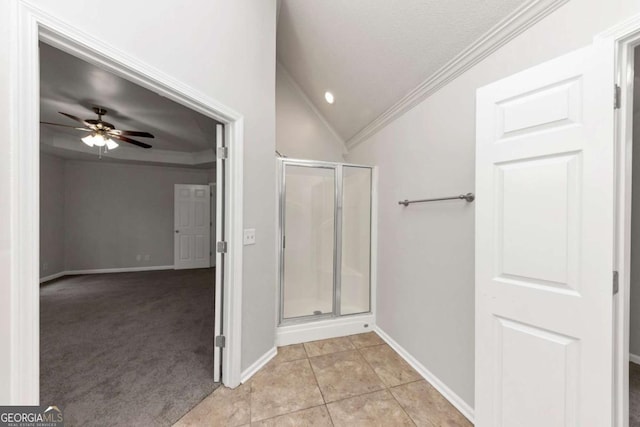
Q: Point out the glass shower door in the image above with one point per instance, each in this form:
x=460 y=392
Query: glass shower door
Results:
x=309 y=224
x=355 y=267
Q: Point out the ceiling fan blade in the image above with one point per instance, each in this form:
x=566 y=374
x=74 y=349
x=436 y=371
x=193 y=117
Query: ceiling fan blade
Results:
x=131 y=133
x=130 y=141
x=84 y=122
x=67 y=126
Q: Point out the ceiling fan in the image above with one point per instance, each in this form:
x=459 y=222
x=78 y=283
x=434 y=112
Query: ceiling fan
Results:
x=103 y=133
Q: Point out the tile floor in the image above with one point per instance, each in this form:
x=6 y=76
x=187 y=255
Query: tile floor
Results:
x=349 y=381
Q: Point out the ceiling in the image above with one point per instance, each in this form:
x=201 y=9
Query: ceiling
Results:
x=370 y=53
x=68 y=84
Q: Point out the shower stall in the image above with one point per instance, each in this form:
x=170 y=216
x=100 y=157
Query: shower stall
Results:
x=325 y=229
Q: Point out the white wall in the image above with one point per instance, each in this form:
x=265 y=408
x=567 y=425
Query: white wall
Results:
x=51 y=215
x=224 y=49
x=426 y=252
x=113 y=212
x=6 y=186
x=301 y=132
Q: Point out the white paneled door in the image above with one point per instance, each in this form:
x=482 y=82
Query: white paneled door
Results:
x=192 y=226
x=544 y=244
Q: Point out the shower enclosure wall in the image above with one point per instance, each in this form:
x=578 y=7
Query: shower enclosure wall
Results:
x=325 y=241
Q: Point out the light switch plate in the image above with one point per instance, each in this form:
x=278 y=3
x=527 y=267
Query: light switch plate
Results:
x=249 y=236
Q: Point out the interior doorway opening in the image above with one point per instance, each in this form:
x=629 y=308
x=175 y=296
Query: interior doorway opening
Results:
x=633 y=391
x=128 y=291
x=30 y=27
x=626 y=37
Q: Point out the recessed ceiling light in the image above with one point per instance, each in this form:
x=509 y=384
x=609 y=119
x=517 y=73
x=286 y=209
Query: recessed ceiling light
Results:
x=329 y=97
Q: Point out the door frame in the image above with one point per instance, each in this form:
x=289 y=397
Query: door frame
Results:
x=625 y=36
x=29 y=26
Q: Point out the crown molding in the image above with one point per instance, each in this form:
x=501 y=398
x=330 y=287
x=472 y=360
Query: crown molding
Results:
x=513 y=25
x=281 y=69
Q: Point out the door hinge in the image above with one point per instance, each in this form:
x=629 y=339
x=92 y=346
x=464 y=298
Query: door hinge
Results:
x=616 y=97
x=222 y=153
x=221 y=247
x=616 y=285
x=220 y=341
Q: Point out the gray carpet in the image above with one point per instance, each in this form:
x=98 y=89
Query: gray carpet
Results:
x=634 y=395
x=127 y=349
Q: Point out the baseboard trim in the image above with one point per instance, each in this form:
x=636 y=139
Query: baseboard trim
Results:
x=52 y=276
x=258 y=364
x=323 y=329
x=634 y=358
x=105 y=271
x=120 y=270
x=452 y=397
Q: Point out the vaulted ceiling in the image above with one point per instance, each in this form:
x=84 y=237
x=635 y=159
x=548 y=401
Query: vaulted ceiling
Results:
x=371 y=53
x=71 y=85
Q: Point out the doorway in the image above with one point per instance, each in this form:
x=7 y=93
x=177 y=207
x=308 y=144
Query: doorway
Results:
x=126 y=302
x=628 y=319
x=34 y=26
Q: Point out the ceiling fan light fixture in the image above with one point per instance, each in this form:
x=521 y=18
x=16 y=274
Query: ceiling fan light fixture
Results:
x=89 y=140
x=101 y=132
x=111 y=144
x=99 y=141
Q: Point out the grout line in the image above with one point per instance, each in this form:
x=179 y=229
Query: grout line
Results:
x=356 y=395
x=319 y=388
x=371 y=346
x=334 y=352
x=290 y=413
x=372 y=368
x=304 y=347
x=317 y=382
x=403 y=409
x=250 y=403
x=329 y=412
x=388 y=388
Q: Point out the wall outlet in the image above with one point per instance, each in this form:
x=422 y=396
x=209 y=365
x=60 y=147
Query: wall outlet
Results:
x=138 y=257
x=249 y=236
x=147 y=257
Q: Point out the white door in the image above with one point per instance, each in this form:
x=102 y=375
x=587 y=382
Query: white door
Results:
x=212 y=240
x=220 y=256
x=192 y=226
x=544 y=244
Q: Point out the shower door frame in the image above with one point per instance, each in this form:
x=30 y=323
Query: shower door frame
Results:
x=337 y=239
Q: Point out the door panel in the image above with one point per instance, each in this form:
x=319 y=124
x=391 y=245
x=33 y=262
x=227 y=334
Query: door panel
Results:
x=544 y=244
x=219 y=256
x=191 y=226
x=355 y=269
x=309 y=229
